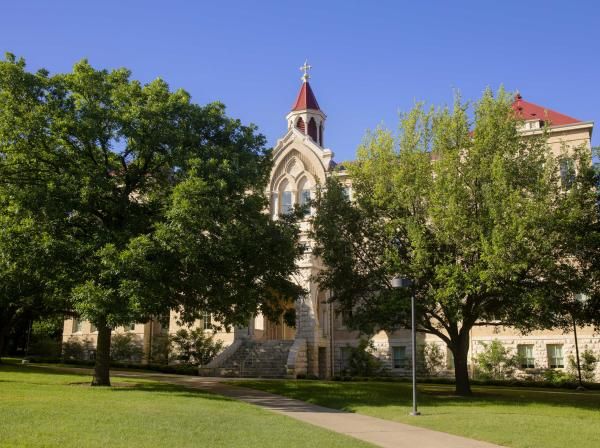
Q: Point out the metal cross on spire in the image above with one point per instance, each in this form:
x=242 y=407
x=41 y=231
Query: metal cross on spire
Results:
x=305 y=68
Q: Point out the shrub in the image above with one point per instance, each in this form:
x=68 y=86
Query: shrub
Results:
x=361 y=361
x=588 y=362
x=75 y=349
x=432 y=359
x=495 y=362
x=160 y=350
x=194 y=347
x=558 y=377
x=126 y=347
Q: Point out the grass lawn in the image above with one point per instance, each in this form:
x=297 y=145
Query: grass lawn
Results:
x=520 y=418
x=41 y=408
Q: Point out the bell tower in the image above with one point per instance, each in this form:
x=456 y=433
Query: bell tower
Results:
x=306 y=116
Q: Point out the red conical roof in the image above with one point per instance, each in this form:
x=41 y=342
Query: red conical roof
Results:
x=306 y=98
x=529 y=111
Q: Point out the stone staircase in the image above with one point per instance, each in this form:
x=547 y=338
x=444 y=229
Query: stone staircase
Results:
x=254 y=359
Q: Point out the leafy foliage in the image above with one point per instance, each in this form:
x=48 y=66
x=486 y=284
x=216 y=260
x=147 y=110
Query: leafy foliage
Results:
x=362 y=361
x=126 y=347
x=588 y=362
x=473 y=212
x=153 y=202
x=432 y=358
x=495 y=362
x=193 y=346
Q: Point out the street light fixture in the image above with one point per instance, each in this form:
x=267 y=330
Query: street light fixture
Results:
x=397 y=283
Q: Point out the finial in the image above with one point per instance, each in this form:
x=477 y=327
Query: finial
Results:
x=305 y=68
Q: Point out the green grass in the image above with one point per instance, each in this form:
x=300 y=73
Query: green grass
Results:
x=44 y=408
x=519 y=418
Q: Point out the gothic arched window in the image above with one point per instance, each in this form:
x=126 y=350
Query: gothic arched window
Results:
x=287 y=198
x=312 y=129
x=300 y=125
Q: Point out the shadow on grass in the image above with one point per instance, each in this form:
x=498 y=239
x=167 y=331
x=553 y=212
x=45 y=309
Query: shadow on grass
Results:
x=123 y=384
x=349 y=396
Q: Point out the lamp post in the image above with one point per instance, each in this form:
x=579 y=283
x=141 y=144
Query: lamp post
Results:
x=399 y=282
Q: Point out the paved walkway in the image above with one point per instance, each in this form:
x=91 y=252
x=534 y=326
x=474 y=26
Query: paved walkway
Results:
x=379 y=432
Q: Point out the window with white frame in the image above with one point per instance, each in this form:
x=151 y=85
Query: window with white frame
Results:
x=207 y=321
x=525 y=353
x=346 y=192
x=399 y=360
x=567 y=172
x=287 y=204
x=305 y=201
x=555 y=356
x=77 y=325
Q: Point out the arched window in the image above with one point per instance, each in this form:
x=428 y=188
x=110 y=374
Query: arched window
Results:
x=300 y=125
x=304 y=195
x=321 y=134
x=287 y=199
x=312 y=129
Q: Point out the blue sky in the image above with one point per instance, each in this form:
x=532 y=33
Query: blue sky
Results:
x=370 y=59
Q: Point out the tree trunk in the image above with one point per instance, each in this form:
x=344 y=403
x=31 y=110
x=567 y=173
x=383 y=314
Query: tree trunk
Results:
x=461 y=370
x=102 y=365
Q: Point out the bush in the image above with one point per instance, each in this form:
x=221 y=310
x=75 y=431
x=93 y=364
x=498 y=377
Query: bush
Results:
x=194 y=347
x=361 y=361
x=588 y=362
x=126 y=347
x=432 y=359
x=558 y=377
x=161 y=348
x=495 y=362
x=76 y=350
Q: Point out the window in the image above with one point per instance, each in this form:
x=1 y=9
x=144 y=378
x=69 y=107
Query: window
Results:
x=399 y=357
x=525 y=352
x=207 y=321
x=345 y=353
x=274 y=204
x=567 y=172
x=77 y=325
x=305 y=201
x=130 y=327
x=286 y=202
x=555 y=356
x=346 y=192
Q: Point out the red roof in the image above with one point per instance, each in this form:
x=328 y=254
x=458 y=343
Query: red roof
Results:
x=306 y=99
x=530 y=111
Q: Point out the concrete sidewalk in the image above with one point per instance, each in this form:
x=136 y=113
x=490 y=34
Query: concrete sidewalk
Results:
x=379 y=432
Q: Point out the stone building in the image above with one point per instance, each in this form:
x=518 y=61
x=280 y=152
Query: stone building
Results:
x=319 y=343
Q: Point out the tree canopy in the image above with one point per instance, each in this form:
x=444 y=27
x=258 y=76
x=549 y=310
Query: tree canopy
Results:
x=161 y=200
x=469 y=209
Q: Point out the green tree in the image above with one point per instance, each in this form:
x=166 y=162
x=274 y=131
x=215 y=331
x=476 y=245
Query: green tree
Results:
x=469 y=209
x=162 y=200
x=193 y=346
x=495 y=362
x=28 y=289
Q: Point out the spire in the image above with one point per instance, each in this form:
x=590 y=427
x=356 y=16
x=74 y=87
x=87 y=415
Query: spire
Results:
x=306 y=98
x=306 y=115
